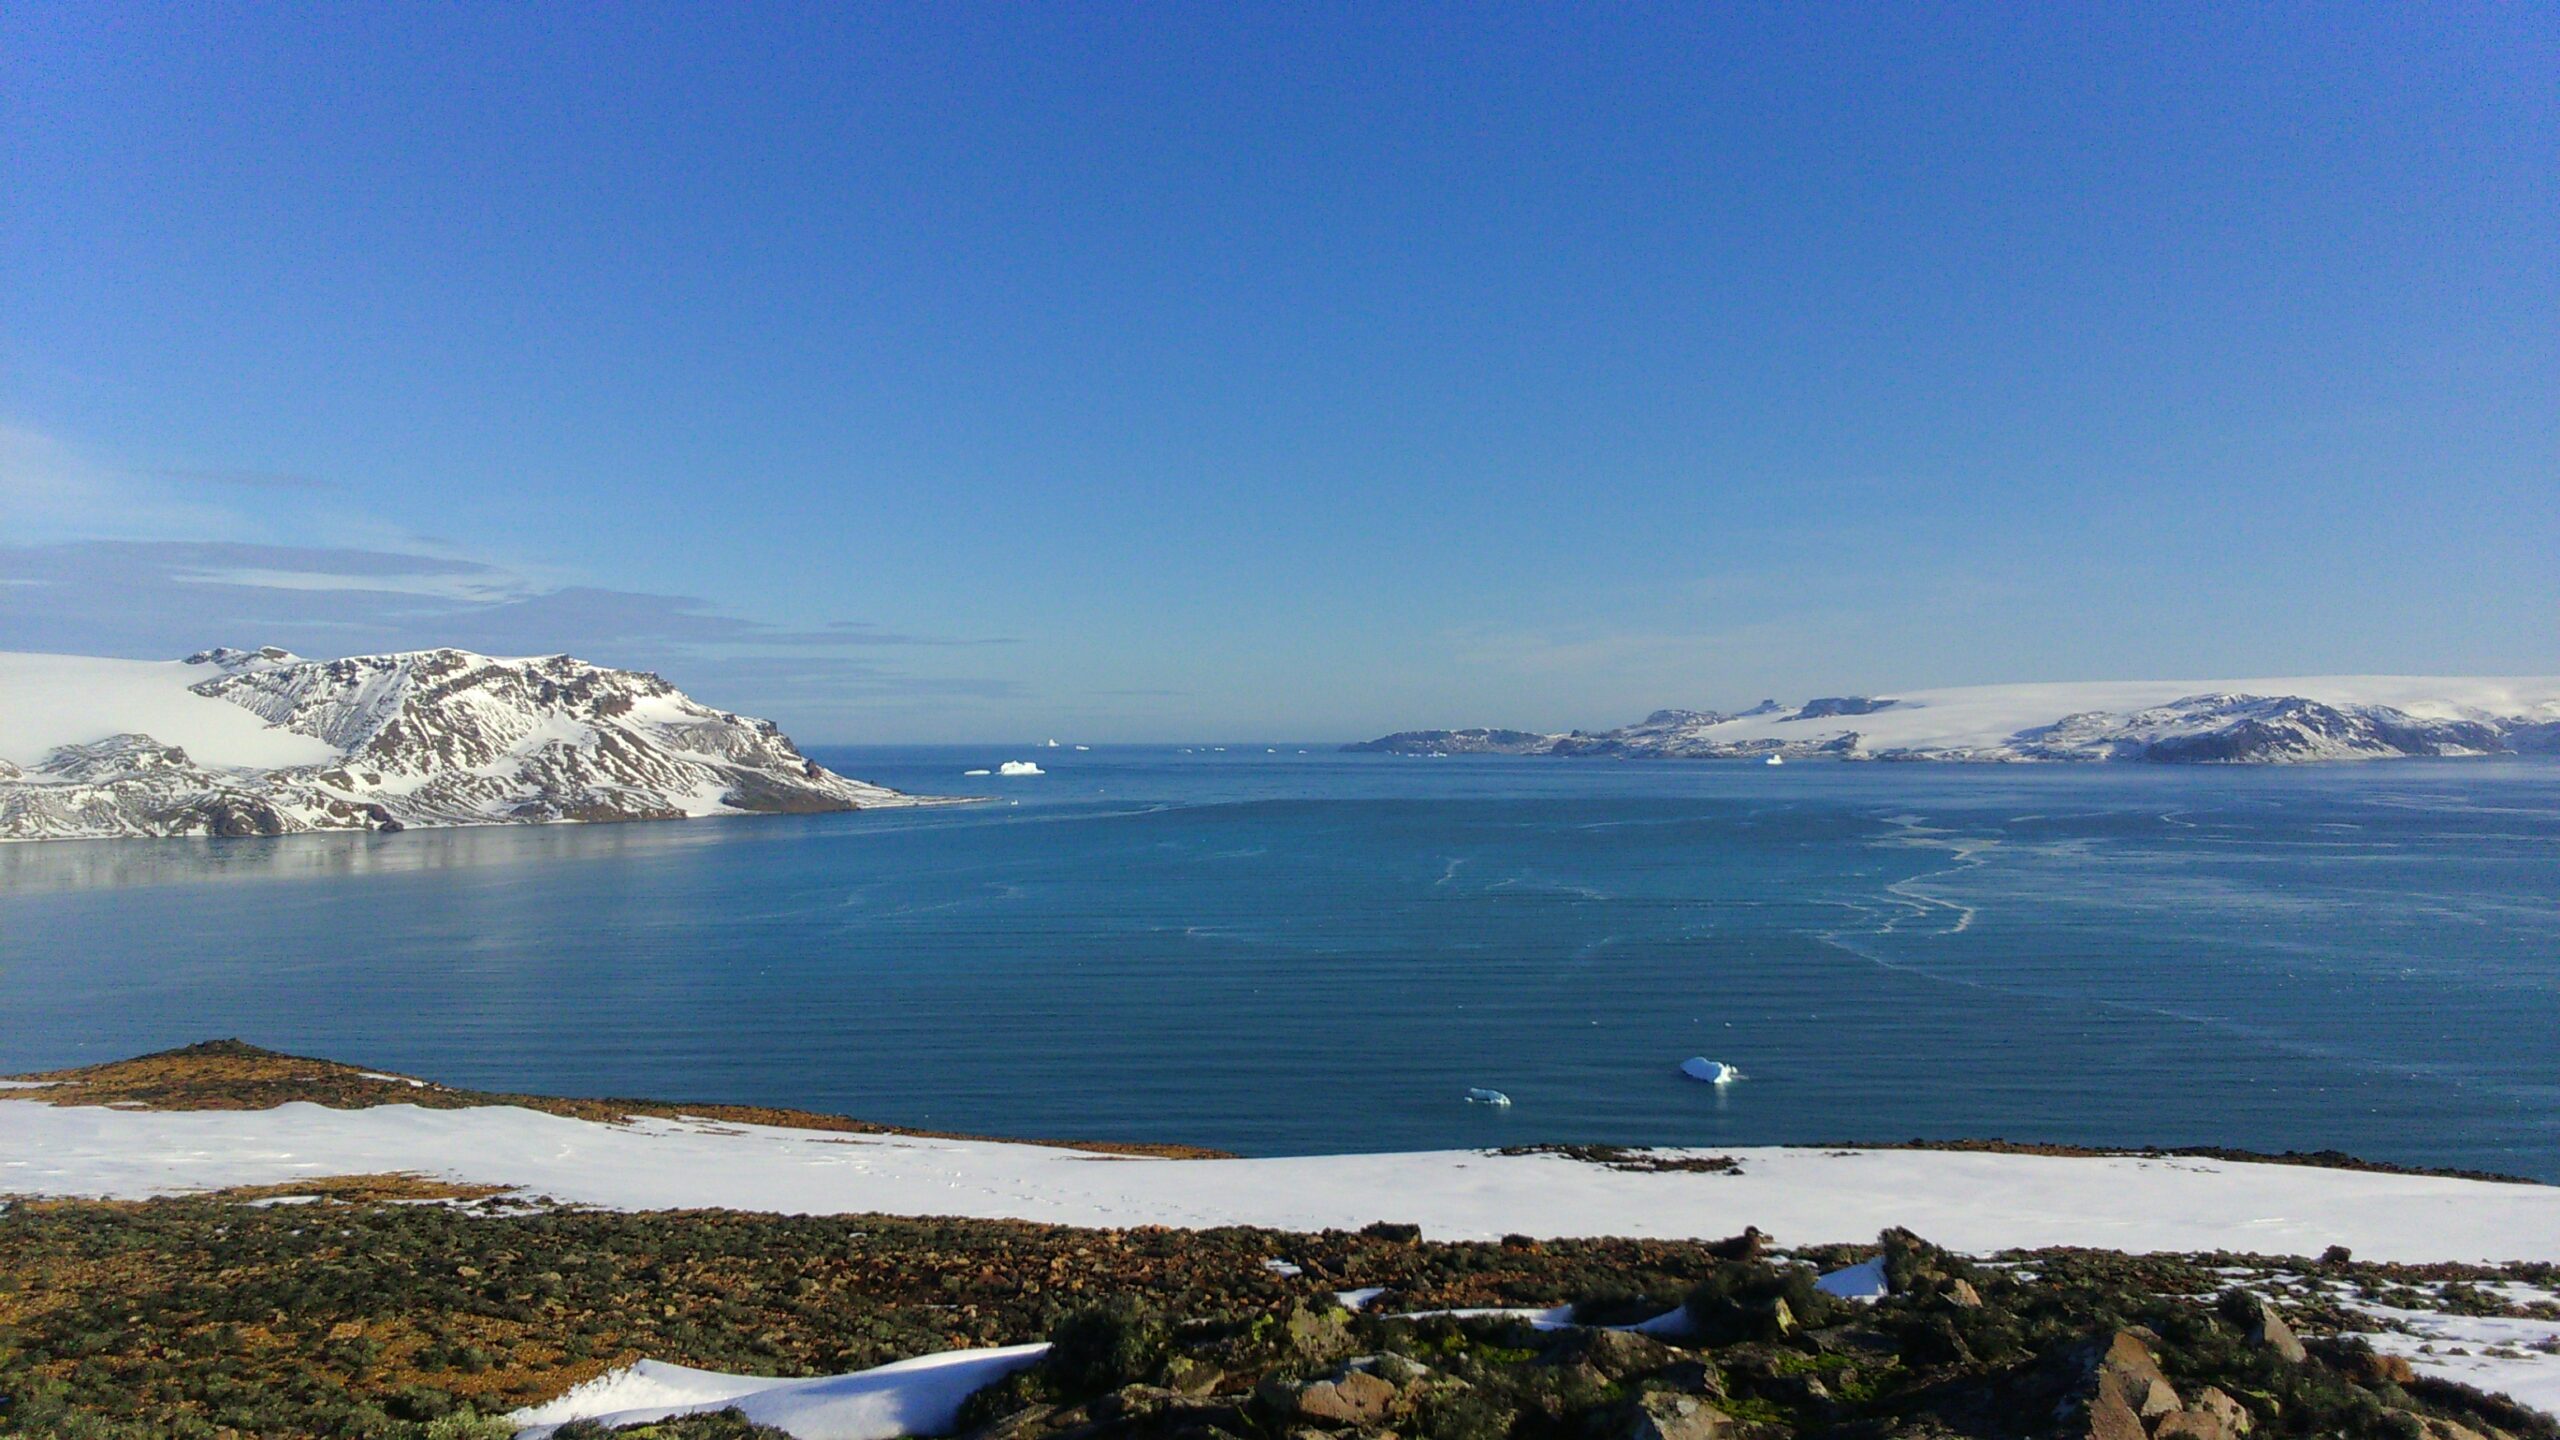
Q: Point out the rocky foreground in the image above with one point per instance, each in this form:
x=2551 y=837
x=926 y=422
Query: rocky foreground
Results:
x=390 y=1307
x=426 y=1300
x=263 y=742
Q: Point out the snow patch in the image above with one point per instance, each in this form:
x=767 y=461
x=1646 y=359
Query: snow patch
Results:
x=2516 y=1357
x=1978 y=1202
x=49 y=701
x=921 y=1396
x=1864 y=1281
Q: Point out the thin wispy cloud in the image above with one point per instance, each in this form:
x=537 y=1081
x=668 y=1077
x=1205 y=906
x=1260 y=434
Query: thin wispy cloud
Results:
x=158 y=596
x=151 y=563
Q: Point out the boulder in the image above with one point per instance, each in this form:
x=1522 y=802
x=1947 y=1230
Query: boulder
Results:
x=2129 y=1364
x=2267 y=1330
x=1618 y=1354
x=2110 y=1418
x=1316 y=1334
x=1659 y=1415
x=2190 y=1425
x=1131 y=1401
x=2118 y=1387
x=2436 y=1427
x=2233 y=1415
x=1795 y=1391
x=1190 y=1375
x=1853 y=1340
x=1021 y=1424
x=1354 y=1397
x=2372 y=1367
x=1695 y=1377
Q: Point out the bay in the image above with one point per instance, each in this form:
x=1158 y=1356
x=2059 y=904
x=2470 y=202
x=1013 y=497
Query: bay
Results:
x=1280 y=949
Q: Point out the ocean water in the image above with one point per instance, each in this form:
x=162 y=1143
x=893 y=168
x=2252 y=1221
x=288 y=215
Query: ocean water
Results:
x=1276 y=951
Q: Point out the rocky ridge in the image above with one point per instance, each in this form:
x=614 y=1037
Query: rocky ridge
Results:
x=430 y=738
x=2207 y=727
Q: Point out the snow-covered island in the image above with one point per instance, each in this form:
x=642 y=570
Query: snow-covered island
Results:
x=263 y=742
x=2332 y=717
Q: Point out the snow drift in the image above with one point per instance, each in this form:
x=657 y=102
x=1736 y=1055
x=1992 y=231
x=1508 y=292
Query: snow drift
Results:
x=921 y=1396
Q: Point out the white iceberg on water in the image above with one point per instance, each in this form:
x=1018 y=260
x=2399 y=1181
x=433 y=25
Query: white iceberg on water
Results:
x=1714 y=1072
x=1478 y=1095
x=1019 y=767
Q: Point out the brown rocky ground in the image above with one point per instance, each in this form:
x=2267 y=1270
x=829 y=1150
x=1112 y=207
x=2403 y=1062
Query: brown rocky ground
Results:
x=235 y=1075
x=392 y=1307
x=408 y=1308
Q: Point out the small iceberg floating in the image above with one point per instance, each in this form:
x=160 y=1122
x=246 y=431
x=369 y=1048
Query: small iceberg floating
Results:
x=1019 y=767
x=1481 y=1096
x=1714 y=1072
x=1775 y=760
x=977 y=772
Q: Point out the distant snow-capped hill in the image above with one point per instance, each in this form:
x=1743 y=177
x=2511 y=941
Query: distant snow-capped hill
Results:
x=264 y=742
x=2339 y=717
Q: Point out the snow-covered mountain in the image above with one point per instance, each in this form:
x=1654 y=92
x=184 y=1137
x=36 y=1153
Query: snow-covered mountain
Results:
x=263 y=742
x=2335 y=717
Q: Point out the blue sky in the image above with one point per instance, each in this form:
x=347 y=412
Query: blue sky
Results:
x=1307 y=371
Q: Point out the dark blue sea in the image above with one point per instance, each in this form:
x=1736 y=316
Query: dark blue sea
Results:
x=1273 y=950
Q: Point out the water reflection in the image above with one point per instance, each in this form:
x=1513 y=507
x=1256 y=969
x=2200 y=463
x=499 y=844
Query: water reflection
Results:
x=34 y=868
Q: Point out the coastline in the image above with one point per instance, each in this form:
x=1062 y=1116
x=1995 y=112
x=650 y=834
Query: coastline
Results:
x=222 y=1116
x=401 y=1255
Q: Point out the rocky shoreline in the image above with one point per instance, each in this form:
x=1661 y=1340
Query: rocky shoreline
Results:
x=416 y=1306
x=232 y=1074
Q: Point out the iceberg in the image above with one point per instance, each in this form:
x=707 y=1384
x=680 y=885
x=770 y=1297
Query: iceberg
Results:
x=1478 y=1095
x=1019 y=767
x=1714 y=1072
x=977 y=772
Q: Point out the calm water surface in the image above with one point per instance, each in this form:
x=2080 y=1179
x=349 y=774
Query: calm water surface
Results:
x=1282 y=952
